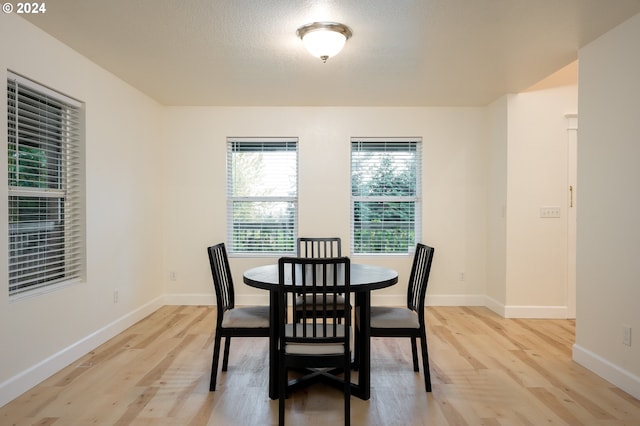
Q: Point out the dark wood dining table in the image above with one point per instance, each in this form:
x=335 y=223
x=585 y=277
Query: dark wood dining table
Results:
x=364 y=279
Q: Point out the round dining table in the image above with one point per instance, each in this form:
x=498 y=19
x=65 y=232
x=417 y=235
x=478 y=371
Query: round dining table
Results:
x=364 y=279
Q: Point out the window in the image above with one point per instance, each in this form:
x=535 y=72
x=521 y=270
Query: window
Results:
x=45 y=178
x=385 y=195
x=262 y=195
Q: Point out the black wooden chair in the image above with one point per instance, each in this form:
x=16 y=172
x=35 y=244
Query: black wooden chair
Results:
x=409 y=321
x=317 y=247
x=250 y=321
x=321 y=342
x=314 y=247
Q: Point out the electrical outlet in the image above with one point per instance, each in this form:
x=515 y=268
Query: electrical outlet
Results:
x=461 y=276
x=626 y=335
x=115 y=296
x=172 y=275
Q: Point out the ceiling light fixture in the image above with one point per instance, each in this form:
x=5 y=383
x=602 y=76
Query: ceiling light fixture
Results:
x=324 y=39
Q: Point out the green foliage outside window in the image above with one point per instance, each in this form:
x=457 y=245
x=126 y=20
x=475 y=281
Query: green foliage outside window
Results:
x=263 y=196
x=384 y=190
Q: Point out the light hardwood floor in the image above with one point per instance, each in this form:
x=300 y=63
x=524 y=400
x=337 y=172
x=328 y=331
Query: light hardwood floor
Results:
x=486 y=370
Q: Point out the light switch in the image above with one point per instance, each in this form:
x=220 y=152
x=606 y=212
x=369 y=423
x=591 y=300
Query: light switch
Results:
x=549 y=212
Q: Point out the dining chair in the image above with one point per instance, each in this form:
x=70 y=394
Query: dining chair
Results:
x=321 y=342
x=317 y=247
x=231 y=321
x=409 y=321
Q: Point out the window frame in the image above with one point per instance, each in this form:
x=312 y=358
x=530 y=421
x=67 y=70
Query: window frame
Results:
x=416 y=198
x=45 y=196
x=248 y=144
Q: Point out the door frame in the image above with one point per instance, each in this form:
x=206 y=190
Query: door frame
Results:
x=572 y=177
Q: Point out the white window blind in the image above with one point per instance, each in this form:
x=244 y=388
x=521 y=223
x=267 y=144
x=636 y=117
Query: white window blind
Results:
x=262 y=195
x=385 y=195
x=45 y=187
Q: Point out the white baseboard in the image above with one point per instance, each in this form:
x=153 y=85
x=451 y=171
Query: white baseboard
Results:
x=455 y=300
x=513 y=311
x=190 y=299
x=22 y=382
x=437 y=300
x=619 y=377
x=505 y=311
x=495 y=306
x=209 y=299
x=389 y=300
x=541 y=312
x=525 y=311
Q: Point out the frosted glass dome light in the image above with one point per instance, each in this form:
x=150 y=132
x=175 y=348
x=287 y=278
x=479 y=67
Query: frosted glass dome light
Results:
x=324 y=39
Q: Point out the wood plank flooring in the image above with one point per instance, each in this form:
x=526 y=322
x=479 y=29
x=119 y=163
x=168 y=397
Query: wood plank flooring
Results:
x=486 y=370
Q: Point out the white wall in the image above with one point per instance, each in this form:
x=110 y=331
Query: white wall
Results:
x=497 y=114
x=608 y=287
x=454 y=190
x=537 y=176
x=527 y=169
x=123 y=213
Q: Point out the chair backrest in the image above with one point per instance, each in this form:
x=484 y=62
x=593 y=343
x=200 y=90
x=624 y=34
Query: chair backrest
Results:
x=222 y=281
x=321 y=280
x=319 y=247
x=419 y=278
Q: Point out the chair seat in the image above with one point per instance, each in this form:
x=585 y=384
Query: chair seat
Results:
x=246 y=317
x=388 y=317
x=314 y=348
x=309 y=302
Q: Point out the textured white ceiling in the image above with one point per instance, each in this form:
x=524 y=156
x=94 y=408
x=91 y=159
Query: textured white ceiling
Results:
x=402 y=53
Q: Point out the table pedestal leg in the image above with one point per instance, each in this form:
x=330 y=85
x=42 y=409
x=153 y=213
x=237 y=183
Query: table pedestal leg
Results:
x=273 y=345
x=363 y=305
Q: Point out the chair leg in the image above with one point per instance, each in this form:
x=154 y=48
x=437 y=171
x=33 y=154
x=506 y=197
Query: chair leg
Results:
x=214 y=362
x=356 y=349
x=225 y=358
x=425 y=361
x=282 y=396
x=347 y=396
x=414 y=352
